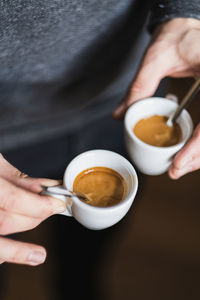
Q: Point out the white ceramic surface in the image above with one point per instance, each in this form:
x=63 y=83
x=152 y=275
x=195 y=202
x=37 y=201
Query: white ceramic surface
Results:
x=99 y=217
x=149 y=159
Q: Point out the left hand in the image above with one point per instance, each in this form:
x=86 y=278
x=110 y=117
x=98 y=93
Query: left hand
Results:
x=21 y=209
x=174 y=51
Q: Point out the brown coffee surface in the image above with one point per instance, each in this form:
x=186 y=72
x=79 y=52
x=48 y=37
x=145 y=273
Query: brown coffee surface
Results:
x=154 y=131
x=102 y=186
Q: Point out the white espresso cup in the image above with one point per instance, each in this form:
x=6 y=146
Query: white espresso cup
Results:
x=152 y=160
x=90 y=216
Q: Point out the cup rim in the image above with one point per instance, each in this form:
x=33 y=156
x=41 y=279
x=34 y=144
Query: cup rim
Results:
x=133 y=174
x=140 y=142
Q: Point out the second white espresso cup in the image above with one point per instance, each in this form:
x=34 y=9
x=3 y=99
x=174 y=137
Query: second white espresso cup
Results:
x=94 y=217
x=152 y=160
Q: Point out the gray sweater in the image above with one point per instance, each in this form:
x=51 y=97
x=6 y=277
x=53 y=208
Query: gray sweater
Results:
x=66 y=62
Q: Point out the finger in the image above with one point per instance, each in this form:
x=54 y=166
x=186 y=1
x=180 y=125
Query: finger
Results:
x=2 y=261
x=17 y=200
x=160 y=60
x=142 y=88
x=13 y=223
x=145 y=84
x=188 y=159
x=21 y=253
x=177 y=173
x=9 y=172
x=33 y=184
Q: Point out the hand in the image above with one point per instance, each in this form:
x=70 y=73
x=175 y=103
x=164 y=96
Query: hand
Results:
x=21 y=209
x=174 y=51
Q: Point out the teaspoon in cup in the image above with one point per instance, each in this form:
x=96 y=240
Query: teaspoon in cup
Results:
x=58 y=190
x=186 y=100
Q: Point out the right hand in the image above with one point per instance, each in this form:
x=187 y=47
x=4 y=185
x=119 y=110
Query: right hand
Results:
x=21 y=209
x=174 y=51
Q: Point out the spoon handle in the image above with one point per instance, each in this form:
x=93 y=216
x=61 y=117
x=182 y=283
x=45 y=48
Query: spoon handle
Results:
x=187 y=99
x=59 y=190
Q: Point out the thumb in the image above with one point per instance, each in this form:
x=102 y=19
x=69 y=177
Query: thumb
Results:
x=188 y=158
x=145 y=84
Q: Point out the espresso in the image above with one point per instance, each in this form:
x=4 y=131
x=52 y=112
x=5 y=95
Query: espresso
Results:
x=154 y=131
x=101 y=186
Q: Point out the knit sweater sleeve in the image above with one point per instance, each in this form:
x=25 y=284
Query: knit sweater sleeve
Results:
x=164 y=10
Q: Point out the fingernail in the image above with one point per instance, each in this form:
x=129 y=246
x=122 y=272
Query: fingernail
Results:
x=51 y=182
x=36 y=258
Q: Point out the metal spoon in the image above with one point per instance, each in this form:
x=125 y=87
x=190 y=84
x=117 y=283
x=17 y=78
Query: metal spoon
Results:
x=58 y=190
x=186 y=100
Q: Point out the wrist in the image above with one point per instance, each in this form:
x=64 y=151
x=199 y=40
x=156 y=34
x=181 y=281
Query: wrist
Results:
x=166 y=10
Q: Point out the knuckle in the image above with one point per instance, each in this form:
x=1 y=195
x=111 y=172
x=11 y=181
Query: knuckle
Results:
x=8 y=195
x=174 y=170
x=46 y=207
x=20 y=174
x=137 y=86
x=176 y=164
x=153 y=52
x=34 y=184
x=7 y=203
x=50 y=206
x=4 y=226
x=17 y=256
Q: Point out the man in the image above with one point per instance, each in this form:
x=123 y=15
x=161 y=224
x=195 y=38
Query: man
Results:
x=64 y=66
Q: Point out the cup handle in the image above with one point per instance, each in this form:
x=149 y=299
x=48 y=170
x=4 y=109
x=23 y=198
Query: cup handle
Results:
x=56 y=191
